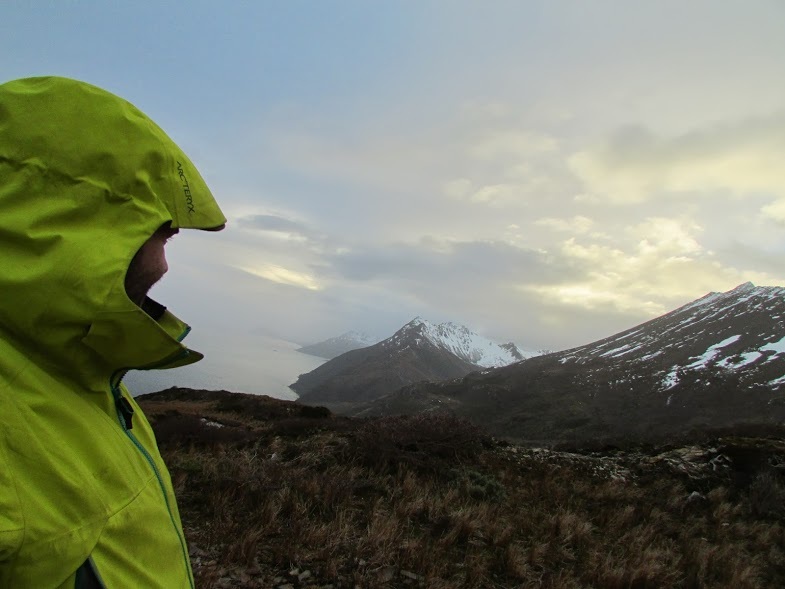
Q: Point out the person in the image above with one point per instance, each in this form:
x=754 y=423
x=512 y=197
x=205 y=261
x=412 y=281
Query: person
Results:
x=90 y=190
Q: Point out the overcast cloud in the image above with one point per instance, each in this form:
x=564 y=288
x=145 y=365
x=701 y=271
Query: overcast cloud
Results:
x=543 y=172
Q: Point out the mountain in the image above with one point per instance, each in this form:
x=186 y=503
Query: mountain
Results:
x=419 y=351
x=716 y=362
x=464 y=343
x=335 y=346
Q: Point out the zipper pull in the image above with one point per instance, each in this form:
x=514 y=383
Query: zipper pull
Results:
x=125 y=409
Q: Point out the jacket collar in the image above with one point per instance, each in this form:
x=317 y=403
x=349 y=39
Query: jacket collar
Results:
x=125 y=340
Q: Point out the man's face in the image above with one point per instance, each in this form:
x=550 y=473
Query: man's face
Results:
x=148 y=265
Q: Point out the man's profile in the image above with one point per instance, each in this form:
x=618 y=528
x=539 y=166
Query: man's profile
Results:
x=148 y=265
x=90 y=190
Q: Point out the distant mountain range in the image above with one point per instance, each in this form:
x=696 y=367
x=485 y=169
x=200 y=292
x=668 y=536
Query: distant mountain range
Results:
x=716 y=362
x=335 y=346
x=419 y=351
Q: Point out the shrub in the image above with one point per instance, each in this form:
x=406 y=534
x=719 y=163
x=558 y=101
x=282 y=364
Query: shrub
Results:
x=186 y=430
x=431 y=501
x=478 y=485
x=767 y=495
x=426 y=442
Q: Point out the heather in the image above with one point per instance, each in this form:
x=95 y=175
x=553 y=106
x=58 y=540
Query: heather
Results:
x=277 y=494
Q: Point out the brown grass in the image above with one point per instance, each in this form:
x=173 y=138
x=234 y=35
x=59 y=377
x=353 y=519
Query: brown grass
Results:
x=432 y=502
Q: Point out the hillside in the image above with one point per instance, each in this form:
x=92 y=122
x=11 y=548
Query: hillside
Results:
x=716 y=362
x=274 y=494
x=370 y=373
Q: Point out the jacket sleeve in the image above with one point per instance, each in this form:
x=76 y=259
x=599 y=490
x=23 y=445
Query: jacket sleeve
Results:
x=11 y=520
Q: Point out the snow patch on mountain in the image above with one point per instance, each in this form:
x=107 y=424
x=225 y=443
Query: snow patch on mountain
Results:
x=777 y=347
x=716 y=363
x=711 y=353
x=464 y=343
x=741 y=331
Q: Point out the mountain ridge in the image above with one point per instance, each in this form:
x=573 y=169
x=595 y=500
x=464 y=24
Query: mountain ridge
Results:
x=418 y=351
x=464 y=343
x=335 y=346
x=715 y=362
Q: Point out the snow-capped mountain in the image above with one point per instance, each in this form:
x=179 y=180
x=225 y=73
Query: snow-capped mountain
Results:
x=741 y=331
x=335 y=346
x=459 y=340
x=419 y=351
x=714 y=363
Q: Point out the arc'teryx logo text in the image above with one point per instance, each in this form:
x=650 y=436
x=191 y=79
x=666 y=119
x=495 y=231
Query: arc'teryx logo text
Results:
x=189 y=200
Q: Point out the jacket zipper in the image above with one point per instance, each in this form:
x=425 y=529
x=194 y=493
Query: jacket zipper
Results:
x=125 y=415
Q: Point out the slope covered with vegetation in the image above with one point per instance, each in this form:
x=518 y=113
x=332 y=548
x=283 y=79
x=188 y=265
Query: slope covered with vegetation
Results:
x=277 y=494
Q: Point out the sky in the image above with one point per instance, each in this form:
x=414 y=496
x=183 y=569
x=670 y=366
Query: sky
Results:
x=543 y=172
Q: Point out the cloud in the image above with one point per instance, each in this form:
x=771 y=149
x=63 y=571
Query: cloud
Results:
x=495 y=194
x=463 y=189
x=576 y=225
x=493 y=215
x=473 y=282
x=438 y=264
x=281 y=275
x=510 y=144
x=775 y=211
x=285 y=228
x=490 y=159
x=659 y=236
x=659 y=264
x=459 y=188
x=513 y=193
x=270 y=223
x=738 y=159
x=595 y=296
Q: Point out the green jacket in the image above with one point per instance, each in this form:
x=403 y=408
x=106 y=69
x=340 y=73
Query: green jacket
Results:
x=85 y=180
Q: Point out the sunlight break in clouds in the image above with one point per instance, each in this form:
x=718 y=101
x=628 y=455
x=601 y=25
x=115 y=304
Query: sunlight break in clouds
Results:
x=282 y=276
x=657 y=264
x=663 y=237
x=775 y=211
x=595 y=295
x=738 y=159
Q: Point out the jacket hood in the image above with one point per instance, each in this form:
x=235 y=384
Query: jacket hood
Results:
x=85 y=179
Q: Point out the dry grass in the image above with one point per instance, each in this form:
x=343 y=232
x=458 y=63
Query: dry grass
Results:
x=432 y=502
